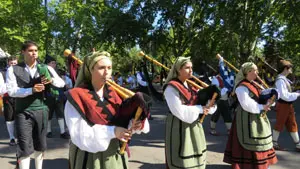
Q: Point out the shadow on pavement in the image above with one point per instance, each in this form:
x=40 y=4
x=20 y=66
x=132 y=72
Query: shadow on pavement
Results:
x=149 y=165
x=59 y=163
x=218 y=166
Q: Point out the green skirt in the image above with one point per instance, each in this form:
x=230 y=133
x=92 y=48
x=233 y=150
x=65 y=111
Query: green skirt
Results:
x=254 y=132
x=185 y=144
x=109 y=159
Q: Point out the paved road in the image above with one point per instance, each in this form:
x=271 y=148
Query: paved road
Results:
x=147 y=151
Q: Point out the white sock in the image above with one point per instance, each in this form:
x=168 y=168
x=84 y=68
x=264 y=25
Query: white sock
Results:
x=295 y=136
x=49 y=126
x=275 y=135
x=228 y=126
x=61 y=124
x=11 y=129
x=213 y=125
x=38 y=156
x=24 y=162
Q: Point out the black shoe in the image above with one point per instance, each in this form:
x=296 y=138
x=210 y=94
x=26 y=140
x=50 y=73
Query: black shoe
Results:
x=49 y=135
x=12 y=142
x=65 y=135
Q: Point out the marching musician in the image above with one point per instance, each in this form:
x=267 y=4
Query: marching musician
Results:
x=55 y=102
x=98 y=118
x=185 y=139
x=9 y=107
x=249 y=144
x=285 y=113
x=224 y=81
x=26 y=82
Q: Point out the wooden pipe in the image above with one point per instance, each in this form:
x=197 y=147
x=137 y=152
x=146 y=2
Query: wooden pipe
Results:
x=273 y=99
x=141 y=53
x=125 y=94
x=211 y=103
x=68 y=52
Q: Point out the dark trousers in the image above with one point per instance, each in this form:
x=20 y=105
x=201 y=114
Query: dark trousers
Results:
x=9 y=108
x=55 y=105
x=31 y=131
x=223 y=109
x=143 y=89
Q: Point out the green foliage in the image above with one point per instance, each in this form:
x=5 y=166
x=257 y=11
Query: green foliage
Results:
x=163 y=29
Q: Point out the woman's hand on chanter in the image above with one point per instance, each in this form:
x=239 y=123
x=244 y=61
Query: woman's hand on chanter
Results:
x=267 y=107
x=122 y=134
x=136 y=125
x=205 y=110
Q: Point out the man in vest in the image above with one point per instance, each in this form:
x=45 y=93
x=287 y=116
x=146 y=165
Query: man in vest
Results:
x=9 y=108
x=285 y=113
x=55 y=103
x=26 y=82
x=225 y=82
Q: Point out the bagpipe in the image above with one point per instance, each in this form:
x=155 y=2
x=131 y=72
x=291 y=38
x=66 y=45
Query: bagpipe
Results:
x=268 y=96
x=205 y=93
x=123 y=92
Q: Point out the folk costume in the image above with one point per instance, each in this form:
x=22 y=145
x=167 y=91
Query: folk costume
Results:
x=285 y=113
x=225 y=82
x=31 y=110
x=9 y=111
x=56 y=103
x=249 y=144
x=91 y=121
x=185 y=139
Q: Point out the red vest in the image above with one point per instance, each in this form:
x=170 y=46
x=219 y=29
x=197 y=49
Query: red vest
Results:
x=188 y=96
x=91 y=108
x=255 y=90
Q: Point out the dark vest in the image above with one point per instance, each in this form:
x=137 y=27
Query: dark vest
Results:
x=24 y=80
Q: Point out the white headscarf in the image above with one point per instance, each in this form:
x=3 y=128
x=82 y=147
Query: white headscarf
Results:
x=246 y=68
x=84 y=76
x=174 y=72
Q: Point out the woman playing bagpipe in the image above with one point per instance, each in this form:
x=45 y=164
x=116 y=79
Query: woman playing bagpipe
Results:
x=185 y=139
x=249 y=144
x=98 y=118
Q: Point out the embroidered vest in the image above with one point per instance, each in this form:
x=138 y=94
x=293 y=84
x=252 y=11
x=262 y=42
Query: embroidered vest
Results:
x=91 y=108
x=188 y=96
x=253 y=131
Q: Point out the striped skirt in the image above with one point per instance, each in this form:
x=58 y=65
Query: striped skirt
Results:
x=241 y=158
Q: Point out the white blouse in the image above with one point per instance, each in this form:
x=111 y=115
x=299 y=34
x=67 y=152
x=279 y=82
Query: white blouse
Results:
x=2 y=85
x=88 y=138
x=186 y=113
x=282 y=87
x=247 y=103
x=14 y=90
